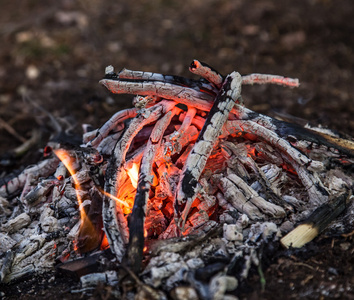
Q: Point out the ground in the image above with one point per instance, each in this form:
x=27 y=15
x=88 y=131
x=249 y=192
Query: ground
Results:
x=54 y=55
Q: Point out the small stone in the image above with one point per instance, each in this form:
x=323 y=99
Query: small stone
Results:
x=32 y=72
x=333 y=271
x=286 y=227
x=344 y=246
x=219 y=285
x=231 y=232
x=268 y=229
x=109 y=69
x=184 y=293
x=243 y=221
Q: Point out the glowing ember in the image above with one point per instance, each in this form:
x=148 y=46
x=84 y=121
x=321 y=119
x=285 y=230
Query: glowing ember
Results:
x=69 y=161
x=133 y=173
x=75 y=246
x=105 y=243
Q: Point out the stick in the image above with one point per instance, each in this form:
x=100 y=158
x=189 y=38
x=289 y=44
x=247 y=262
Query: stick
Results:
x=251 y=195
x=269 y=136
x=316 y=222
x=207 y=138
x=173 y=79
x=238 y=200
x=11 y=130
x=169 y=91
x=207 y=72
x=213 y=76
x=42 y=169
x=272 y=79
x=111 y=124
x=114 y=221
x=137 y=218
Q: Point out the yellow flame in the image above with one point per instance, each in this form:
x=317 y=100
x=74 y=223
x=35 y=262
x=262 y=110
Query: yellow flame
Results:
x=68 y=162
x=133 y=173
x=117 y=199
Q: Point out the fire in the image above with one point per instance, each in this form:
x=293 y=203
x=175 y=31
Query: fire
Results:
x=69 y=161
x=86 y=227
x=117 y=199
x=133 y=173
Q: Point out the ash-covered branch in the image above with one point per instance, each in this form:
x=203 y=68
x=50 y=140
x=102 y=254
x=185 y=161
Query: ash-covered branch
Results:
x=196 y=161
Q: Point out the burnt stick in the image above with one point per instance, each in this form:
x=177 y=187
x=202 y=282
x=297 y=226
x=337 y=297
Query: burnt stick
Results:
x=286 y=129
x=238 y=126
x=114 y=221
x=137 y=218
x=207 y=72
x=173 y=79
x=317 y=221
x=111 y=124
x=213 y=76
x=252 y=196
x=42 y=169
x=196 y=161
x=256 y=78
x=180 y=94
x=187 y=121
x=298 y=160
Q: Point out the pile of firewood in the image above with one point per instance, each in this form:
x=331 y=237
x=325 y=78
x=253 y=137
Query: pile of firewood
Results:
x=184 y=189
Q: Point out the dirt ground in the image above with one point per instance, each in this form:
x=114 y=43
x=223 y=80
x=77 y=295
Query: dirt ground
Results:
x=52 y=55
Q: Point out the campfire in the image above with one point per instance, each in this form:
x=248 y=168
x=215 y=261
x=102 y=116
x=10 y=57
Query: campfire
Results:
x=179 y=194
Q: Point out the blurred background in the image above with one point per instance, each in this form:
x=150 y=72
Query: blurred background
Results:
x=53 y=54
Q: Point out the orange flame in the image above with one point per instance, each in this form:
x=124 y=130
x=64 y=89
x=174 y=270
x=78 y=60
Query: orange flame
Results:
x=115 y=198
x=133 y=173
x=69 y=161
x=88 y=235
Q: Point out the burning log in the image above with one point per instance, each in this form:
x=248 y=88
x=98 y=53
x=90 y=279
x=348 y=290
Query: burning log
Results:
x=188 y=186
x=136 y=228
x=205 y=143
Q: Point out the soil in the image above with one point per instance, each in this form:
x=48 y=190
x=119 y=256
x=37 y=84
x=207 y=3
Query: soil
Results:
x=53 y=56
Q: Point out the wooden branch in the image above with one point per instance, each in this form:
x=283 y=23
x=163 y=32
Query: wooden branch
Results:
x=42 y=169
x=317 y=221
x=137 y=218
x=115 y=224
x=207 y=138
x=169 y=91
x=237 y=199
x=173 y=79
x=267 y=78
x=251 y=195
x=117 y=118
x=207 y=72
x=213 y=76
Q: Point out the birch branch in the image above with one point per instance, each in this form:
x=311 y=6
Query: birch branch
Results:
x=207 y=138
x=173 y=79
